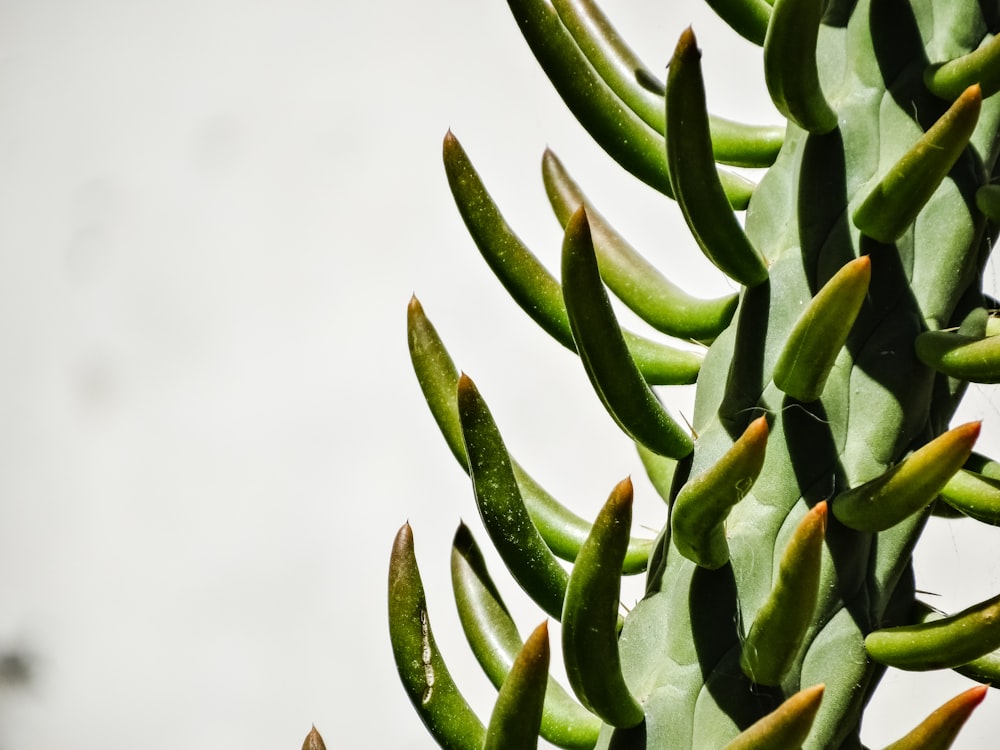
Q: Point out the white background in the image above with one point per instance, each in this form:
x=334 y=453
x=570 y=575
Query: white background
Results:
x=212 y=216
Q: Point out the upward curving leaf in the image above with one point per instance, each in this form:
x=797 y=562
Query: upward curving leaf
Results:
x=562 y=530
x=532 y=286
x=696 y=186
x=632 y=278
x=939 y=730
x=618 y=66
x=517 y=715
x=501 y=507
x=790 y=67
x=426 y=678
x=494 y=639
x=619 y=131
x=602 y=350
x=893 y=204
x=590 y=618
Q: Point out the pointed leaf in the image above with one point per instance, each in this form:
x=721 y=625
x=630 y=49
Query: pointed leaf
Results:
x=425 y=676
x=590 y=617
x=908 y=487
x=632 y=278
x=618 y=130
x=692 y=171
x=517 y=714
x=785 y=727
x=602 y=350
x=313 y=741
x=893 y=204
x=703 y=504
x=939 y=730
x=732 y=142
x=501 y=507
x=772 y=645
x=939 y=644
x=821 y=331
x=531 y=285
x=495 y=642
x=562 y=530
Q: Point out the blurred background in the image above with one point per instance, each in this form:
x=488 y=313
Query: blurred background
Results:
x=212 y=216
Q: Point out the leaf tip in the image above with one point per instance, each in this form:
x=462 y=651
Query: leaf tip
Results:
x=313 y=740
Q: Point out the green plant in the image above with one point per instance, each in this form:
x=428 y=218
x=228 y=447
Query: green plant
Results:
x=781 y=585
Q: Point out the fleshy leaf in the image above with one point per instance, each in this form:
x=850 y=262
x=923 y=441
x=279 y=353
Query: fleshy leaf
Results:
x=517 y=714
x=602 y=350
x=494 y=639
x=632 y=278
x=562 y=530
x=786 y=727
x=531 y=285
x=972 y=358
x=692 y=175
x=501 y=507
x=773 y=642
x=618 y=130
x=893 y=204
x=908 y=487
x=939 y=730
x=428 y=683
x=590 y=618
x=939 y=644
x=703 y=504
x=790 y=69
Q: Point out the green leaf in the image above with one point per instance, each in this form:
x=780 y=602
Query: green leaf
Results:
x=313 y=741
x=784 y=728
x=703 y=504
x=988 y=201
x=939 y=644
x=517 y=714
x=981 y=66
x=893 y=204
x=562 y=530
x=501 y=507
x=975 y=495
x=908 y=487
x=603 y=352
x=632 y=278
x=532 y=286
x=818 y=337
x=790 y=68
x=659 y=469
x=972 y=358
x=771 y=648
x=494 y=639
x=616 y=128
x=695 y=183
x=618 y=66
x=426 y=678
x=590 y=616
x=939 y=730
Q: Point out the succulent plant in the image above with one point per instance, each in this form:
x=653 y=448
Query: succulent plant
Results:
x=781 y=586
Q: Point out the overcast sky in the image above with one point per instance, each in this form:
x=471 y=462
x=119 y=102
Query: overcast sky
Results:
x=213 y=216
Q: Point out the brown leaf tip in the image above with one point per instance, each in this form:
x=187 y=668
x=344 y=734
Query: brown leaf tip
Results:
x=313 y=741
